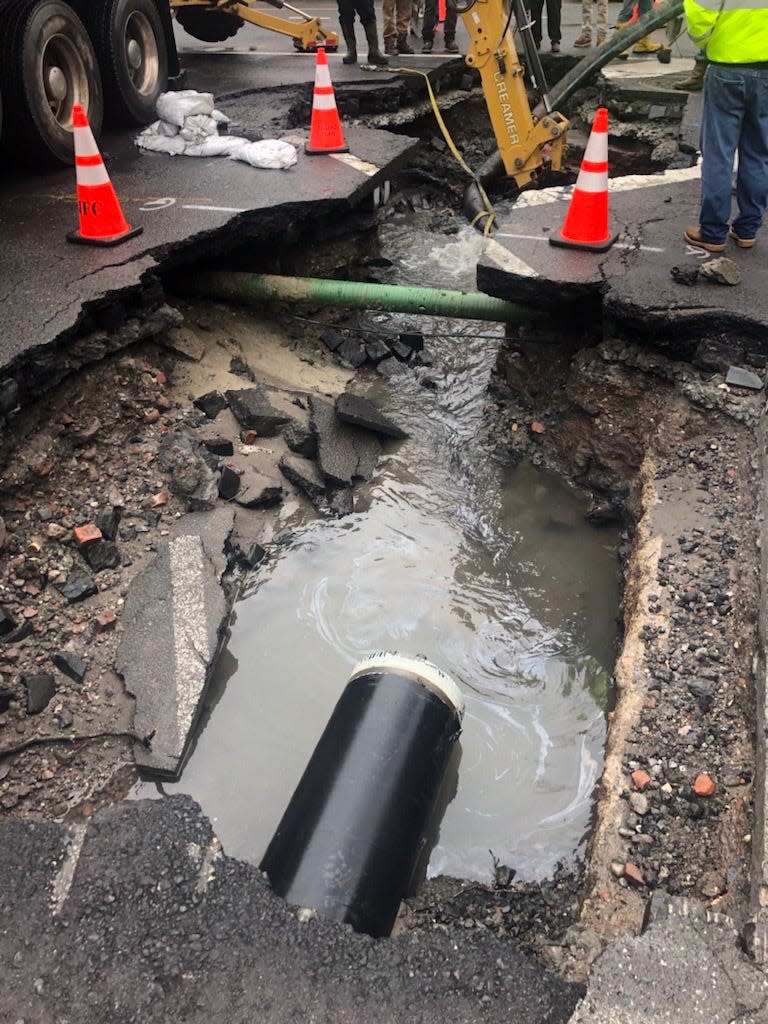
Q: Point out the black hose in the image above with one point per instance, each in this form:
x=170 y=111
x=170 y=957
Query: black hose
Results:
x=494 y=166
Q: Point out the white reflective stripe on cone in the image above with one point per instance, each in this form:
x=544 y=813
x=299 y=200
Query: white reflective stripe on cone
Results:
x=324 y=102
x=592 y=181
x=96 y=175
x=597 y=148
x=323 y=75
x=85 y=144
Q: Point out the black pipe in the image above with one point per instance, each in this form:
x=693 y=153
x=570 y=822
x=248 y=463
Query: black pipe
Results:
x=352 y=833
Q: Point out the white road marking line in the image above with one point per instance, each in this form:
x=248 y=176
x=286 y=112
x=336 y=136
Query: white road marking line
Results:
x=629 y=183
x=214 y=209
x=190 y=634
x=507 y=260
x=545 y=238
x=62 y=883
x=355 y=162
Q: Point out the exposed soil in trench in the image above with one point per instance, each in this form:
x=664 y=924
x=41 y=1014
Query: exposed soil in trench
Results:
x=664 y=447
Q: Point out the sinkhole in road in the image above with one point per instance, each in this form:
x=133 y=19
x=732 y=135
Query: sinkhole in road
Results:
x=485 y=567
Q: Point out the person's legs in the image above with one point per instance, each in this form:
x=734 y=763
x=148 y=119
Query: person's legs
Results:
x=428 y=26
x=451 y=17
x=535 y=11
x=554 y=30
x=722 y=115
x=389 y=31
x=752 y=175
x=402 y=22
x=347 y=23
x=585 y=39
x=602 y=21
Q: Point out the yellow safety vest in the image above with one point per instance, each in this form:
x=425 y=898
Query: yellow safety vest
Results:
x=733 y=31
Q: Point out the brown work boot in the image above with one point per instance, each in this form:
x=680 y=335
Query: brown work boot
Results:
x=375 y=56
x=451 y=46
x=585 y=39
x=694 y=237
x=695 y=81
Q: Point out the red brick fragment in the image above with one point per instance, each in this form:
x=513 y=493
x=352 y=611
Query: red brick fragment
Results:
x=86 y=534
x=538 y=428
x=249 y=436
x=633 y=874
x=159 y=499
x=105 y=621
x=161 y=379
x=704 y=785
x=640 y=779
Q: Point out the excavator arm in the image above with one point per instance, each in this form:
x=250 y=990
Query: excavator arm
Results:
x=523 y=139
x=526 y=138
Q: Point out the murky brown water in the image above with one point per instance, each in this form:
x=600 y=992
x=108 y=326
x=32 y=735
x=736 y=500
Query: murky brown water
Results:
x=487 y=569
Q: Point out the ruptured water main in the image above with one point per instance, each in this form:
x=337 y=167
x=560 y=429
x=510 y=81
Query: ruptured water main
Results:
x=486 y=568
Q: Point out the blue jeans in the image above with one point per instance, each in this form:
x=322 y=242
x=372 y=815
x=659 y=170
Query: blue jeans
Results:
x=643 y=6
x=734 y=119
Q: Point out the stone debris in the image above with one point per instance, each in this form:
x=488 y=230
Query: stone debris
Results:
x=70 y=664
x=738 y=377
x=640 y=779
x=721 y=270
x=77 y=586
x=86 y=534
x=229 y=483
x=300 y=439
x=704 y=785
x=211 y=404
x=344 y=452
x=361 y=412
x=40 y=690
x=184 y=342
x=306 y=476
x=258 y=490
x=254 y=411
x=104 y=554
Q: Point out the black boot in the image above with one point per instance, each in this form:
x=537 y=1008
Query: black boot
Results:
x=348 y=30
x=403 y=46
x=375 y=56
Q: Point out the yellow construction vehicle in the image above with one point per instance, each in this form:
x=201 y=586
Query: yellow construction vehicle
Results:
x=216 y=20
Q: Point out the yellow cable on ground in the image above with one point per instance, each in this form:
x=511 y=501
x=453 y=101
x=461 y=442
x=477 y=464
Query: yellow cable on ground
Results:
x=489 y=212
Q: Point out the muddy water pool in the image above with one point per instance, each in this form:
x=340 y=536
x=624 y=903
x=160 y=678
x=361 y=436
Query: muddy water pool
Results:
x=486 y=568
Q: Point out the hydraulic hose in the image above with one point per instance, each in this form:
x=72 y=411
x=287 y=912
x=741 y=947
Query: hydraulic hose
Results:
x=258 y=288
x=573 y=80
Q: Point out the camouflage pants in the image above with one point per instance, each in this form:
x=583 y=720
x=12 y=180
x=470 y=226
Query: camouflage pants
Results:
x=602 y=15
x=397 y=19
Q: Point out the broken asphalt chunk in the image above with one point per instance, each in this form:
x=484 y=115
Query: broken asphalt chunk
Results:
x=305 y=475
x=352 y=352
x=229 y=483
x=258 y=490
x=40 y=689
x=363 y=413
x=7 y=623
x=343 y=450
x=300 y=439
x=104 y=554
x=211 y=404
x=108 y=521
x=741 y=378
x=253 y=410
x=331 y=339
x=77 y=586
x=376 y=350
x=70 y=665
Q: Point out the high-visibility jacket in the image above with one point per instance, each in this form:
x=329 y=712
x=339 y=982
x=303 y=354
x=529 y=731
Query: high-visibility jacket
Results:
x=732 y=31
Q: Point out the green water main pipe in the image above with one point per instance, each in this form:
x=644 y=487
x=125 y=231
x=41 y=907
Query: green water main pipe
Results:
x=253 y=288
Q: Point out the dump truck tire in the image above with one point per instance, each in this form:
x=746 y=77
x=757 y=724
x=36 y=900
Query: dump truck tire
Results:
x=48 y=65
x=134 y=59
x=209 y=26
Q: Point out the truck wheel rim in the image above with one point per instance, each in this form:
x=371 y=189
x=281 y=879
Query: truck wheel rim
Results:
x=64 y=78
x=141 y=56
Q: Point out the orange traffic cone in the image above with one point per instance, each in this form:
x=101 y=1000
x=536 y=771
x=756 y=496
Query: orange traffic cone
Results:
x=101 y=219
x=325 y=134
x=586 y=222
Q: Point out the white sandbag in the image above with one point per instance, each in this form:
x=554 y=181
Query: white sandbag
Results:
x=216 y=145
x=271 y=153
x=175 y=106
x=197 y=127
x=161 y=143
x=218 y=116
